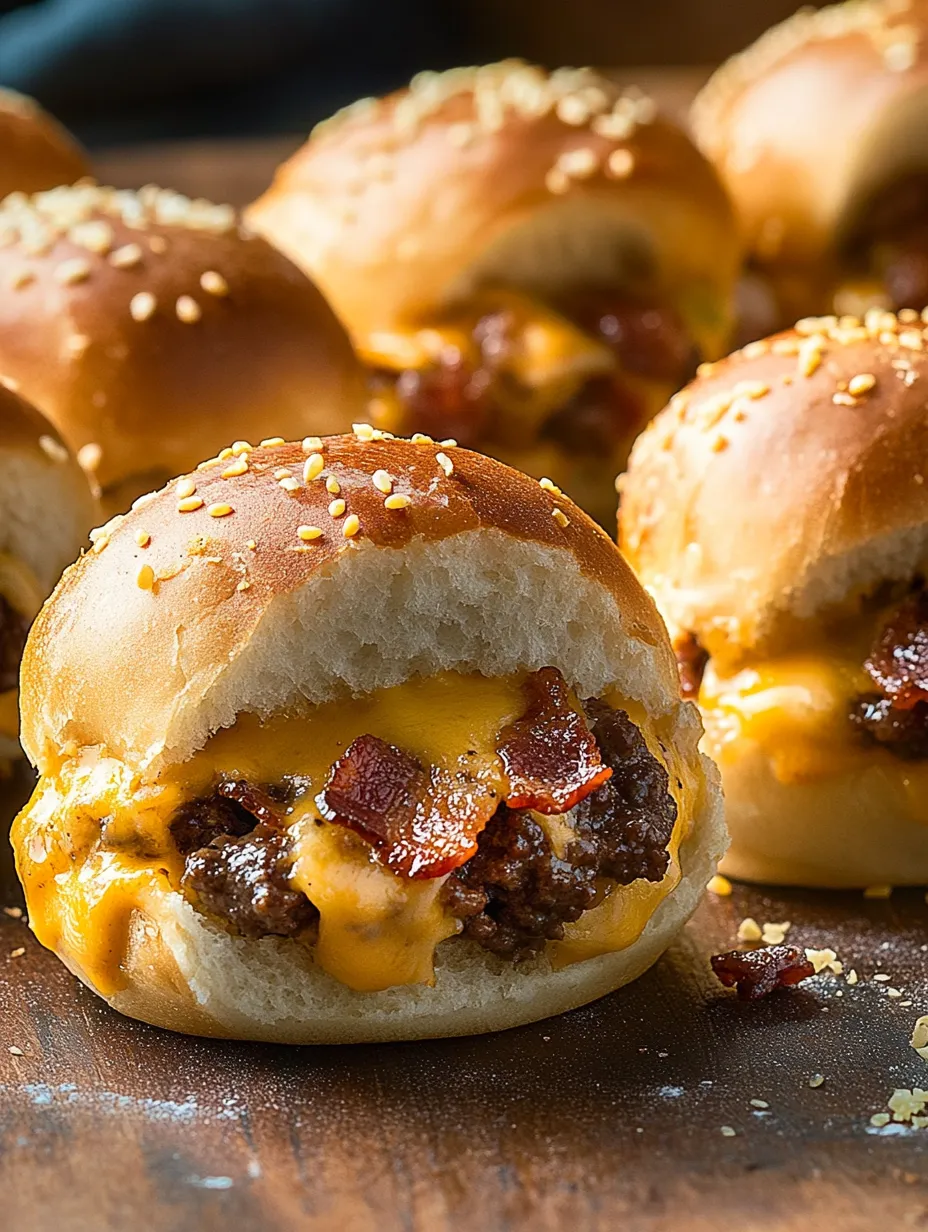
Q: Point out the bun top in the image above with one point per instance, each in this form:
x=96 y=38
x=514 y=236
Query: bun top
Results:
x=787 y=478
x=151 y=328
x=46 y=506
x=293 y=572
x=501 y=175
x=807 y=123
x=35 y=151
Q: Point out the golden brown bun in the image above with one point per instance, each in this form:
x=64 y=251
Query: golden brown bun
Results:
x=767 y=491
x=499 y=175
x=805 y=124
x=151 y=330
x=35 y=151
x=475 y=574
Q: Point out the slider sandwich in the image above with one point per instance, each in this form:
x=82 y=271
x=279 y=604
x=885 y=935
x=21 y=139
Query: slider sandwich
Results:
x=35 y=151
x=818 y=131
x=151 y=329
x=46 y=507
x=777 y=511
x=529 y=262
x=358 y=739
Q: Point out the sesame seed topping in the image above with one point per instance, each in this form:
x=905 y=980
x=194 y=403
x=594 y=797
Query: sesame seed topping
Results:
x=332 y=486
x=382 y=482
x=312 y=467
x=281 y=473
x=72 y=271
x=420 y=438
x=620 y=164
x=90 y=456
x=396 y=501
x=450 y=443
x=337 y=508
x=219 y=510
x=363 y=431
x=238 y=467
x=189 y=504
x=290 y=484
x=557 y=181
x=842 y=399
x=96 y=235
x=185 y=487
x=250 y=545
x=187 y=309
x=560 y=517
x=573 y=110
x=142 y=538
x=142 y=306
x=53 y=448
x=238 y=447
x=816 y=1080
x=141 y=501
x=861 y=384
x=810 y=354
x=445 y=463
x=352 y=526
x=270 y=441
x=550 y=486
x=20 y=278
x=311 y=443
x=145 y=578
x=579 y=164
x=309 y=533
x=213 y=283
x=125 y=257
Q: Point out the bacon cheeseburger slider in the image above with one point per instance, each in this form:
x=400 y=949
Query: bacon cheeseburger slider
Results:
x=46 y=508
x=778 y=512
x=363 y=739
x=530 y=262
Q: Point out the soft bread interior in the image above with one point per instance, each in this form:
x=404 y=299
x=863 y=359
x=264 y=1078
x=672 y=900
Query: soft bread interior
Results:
x=45 y=511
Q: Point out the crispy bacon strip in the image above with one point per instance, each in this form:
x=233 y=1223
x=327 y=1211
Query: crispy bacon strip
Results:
x=757 y=973
x=550 y=755
x=898 y=661
x=422 y=823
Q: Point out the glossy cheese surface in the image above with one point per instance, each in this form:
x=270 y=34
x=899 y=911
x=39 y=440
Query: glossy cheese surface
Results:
x=93 y=845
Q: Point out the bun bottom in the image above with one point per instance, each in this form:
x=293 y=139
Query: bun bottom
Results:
x=867 y=825
x=186 y=975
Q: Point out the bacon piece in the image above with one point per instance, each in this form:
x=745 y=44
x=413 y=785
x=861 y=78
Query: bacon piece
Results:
x=550 y=755
x=422 y=823
x=691 y=664
x=898 y=661
x=757 y=973
x=252 y=799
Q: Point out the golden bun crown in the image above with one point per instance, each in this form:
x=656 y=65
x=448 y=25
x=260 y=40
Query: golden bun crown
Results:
x=784 y=479
x=499 y=175
x=807 y=123
x=36 y=152
x=150 y=329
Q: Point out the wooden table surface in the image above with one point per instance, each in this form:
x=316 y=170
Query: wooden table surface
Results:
x=608 y=1117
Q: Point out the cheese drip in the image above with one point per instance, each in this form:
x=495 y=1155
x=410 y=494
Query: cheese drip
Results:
x=94 y=844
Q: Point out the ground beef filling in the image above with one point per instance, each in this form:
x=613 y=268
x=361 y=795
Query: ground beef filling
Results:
x=895 y=714
x=14 y=628
x=513 y=895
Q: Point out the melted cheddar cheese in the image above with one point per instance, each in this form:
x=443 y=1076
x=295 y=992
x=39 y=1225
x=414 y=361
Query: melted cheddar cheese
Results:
x=94 y=842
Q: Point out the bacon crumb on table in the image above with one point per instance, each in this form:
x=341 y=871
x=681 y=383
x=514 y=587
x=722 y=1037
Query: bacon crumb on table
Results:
x=757 y=973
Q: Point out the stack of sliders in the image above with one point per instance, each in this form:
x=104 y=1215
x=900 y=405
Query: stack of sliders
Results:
x=35 y=151
x=528 y=262
x=46 y=507
x=820 y=133
x=150 y=329
x=407 y=757
x=777 y=510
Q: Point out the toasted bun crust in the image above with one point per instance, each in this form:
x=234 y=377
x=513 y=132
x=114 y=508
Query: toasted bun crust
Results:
x=35 y=151
x=766 y=490
x=502 y=175
x=805 y=124
x=151 y=329
x=474 y=574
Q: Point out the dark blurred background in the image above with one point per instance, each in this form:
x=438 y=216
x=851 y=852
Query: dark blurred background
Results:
x=123 y=71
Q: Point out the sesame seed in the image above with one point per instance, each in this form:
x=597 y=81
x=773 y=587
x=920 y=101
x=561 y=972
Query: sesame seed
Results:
x=145 y=578
x=311 y=443
x=270 y=441
x=810 y=355
x=550 y=486
x=308 y=533
x=727 y=1131
x=420 y=438
x=219 y=510
x=189 y=504
x=18 y=952
x=719 y=886
x=125 y=257
x=187 y=309
x=290 y=484
x=250 y=545
x=238 y=447
x=382 y=482
x=749 y=930
x=556 y=181
x=573 y=110
x=53 y=448
x=816 y=1080
x=352 y=526
x=560 y=517
x=579 y=163
x=450 y=443
x=312 y=467
x=228 y=452
x=16 y=1052
x=363 y=431
x=332 y=486
x=445 y=463
x=337 y=508
x=213 y=283
x=185 y=487
x=73 y=271
x=620 y=164
x=96 y=235
x=238 y=467
x=142 y=306
x=281 y=473
x=396 y=501
x=758 y=1103
x=142 y=538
